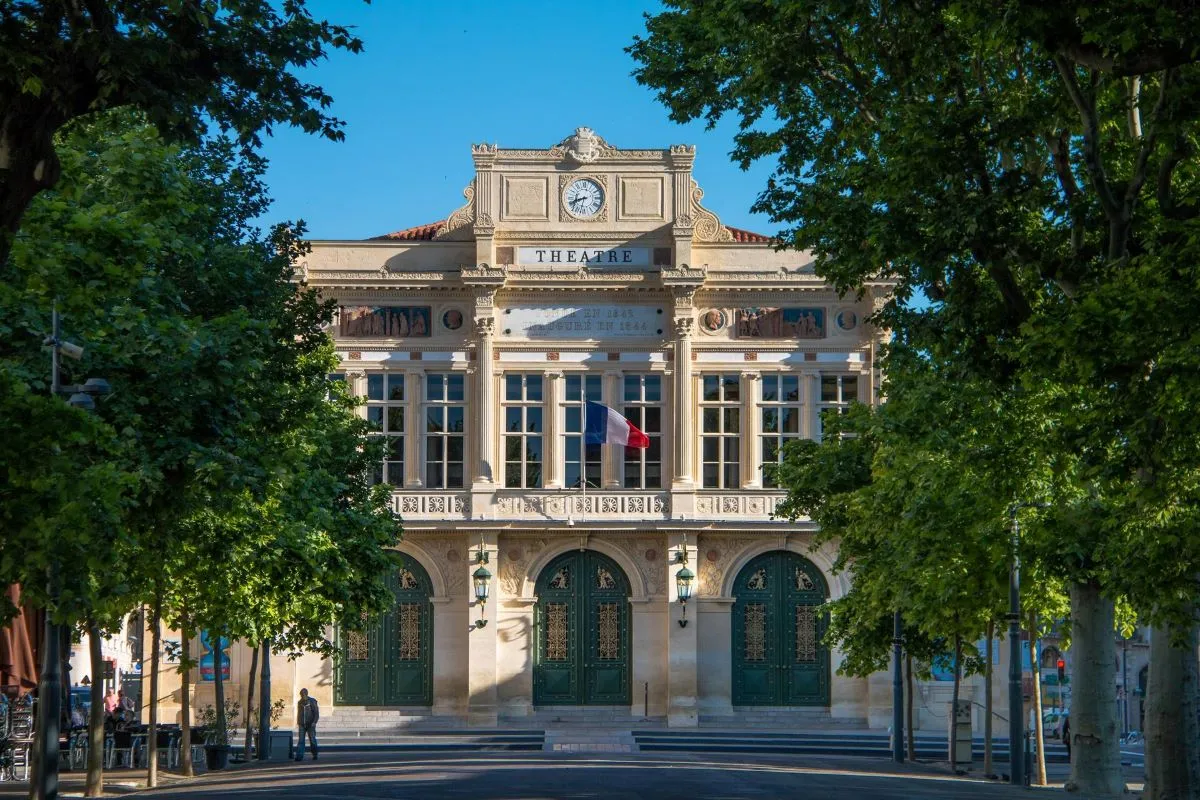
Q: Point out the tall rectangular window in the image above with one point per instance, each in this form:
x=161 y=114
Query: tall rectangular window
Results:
x=838 y=392
x=522 y=431
x=580 y=458
x=445 y=430
x=779 y=417
x=720 y=420
x=643 y=407
x=385 y=417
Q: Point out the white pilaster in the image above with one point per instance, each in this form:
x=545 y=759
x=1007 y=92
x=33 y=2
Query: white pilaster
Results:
x=612 y=458
x=552 y=441
x=683 y=691
x=751 y=451
x=482 y=699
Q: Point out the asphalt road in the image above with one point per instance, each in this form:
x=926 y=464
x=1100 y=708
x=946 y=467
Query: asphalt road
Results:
x=537 y=776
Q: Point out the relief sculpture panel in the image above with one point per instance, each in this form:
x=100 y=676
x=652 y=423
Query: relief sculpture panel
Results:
x=717 y=556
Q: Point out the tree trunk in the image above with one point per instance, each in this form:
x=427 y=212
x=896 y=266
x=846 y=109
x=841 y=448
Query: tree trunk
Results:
x=250 y=701
x=152 y=733
x=1095 y=739
x=1035 y=666
x=222 y=737
x=95 y=757
x=908 y=701
x=1167 y=707
x=1191 y=709
x=264 y=705
x=28 y=163
x=954 y=702
x=987 y=702
x=185 y=700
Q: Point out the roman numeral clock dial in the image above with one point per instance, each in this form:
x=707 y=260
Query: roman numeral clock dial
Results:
x=584 y=198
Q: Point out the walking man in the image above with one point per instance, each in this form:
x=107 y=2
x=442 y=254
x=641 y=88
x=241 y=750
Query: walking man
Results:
x=307 y=714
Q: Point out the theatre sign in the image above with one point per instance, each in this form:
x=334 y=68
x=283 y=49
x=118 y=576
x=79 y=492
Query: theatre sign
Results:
x=587 y=256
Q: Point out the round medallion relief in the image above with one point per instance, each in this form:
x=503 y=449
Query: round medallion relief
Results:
x=713 y=555
x=651 y=555
x=452 y=320
x=713 y=320
x=515 y=554
x=452 y=555
x=846 y=320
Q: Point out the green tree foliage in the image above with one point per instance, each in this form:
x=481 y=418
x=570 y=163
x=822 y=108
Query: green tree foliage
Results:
x=184 y=64
x=1029 y=169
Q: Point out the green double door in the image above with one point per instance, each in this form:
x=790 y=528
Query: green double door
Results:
x=778 y=623
x=581 y=626
x=391 y=662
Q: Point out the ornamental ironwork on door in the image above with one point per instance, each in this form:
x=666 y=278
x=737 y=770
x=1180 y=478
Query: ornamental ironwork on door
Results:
x=581 y=629
x=390 y=663
x=778 y=623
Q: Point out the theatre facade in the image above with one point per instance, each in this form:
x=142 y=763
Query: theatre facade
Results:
x=584 y=272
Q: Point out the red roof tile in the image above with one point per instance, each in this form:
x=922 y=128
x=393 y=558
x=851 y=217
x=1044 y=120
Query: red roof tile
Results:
x=421 y=232
x=740 y=235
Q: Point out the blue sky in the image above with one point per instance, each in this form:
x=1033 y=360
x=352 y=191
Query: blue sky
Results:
x=436 y=77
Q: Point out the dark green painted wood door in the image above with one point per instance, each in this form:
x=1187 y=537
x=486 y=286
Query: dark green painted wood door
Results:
x=778 y=622
x=581 y=625
x=391 y=663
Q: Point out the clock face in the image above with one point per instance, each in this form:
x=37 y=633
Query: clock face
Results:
x=584 y=198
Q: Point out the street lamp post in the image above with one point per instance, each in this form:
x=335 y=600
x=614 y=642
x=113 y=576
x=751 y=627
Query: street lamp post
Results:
x=897 y=690
x=1016 y=711
x=50 y=684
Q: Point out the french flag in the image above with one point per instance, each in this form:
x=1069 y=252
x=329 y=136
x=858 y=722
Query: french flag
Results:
x=603 y=425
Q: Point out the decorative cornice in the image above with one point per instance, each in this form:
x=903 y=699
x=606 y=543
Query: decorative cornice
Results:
x=708 y=227
x=459 y=223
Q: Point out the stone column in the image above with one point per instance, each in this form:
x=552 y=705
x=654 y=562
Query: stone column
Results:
x=810 y=394
x=683 y=691
x=482 y=700
x=414 y=390
x=552 y=449
x=685 y=427
x=751 y=451
x=449 y=687
x=612 y=458
x=485 y=402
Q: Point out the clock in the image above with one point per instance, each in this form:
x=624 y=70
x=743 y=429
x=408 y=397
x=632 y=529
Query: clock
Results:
x=583 y=198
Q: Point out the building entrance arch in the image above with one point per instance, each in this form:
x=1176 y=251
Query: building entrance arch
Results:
x=778 y=624
x=581 y=626
x=391 y=662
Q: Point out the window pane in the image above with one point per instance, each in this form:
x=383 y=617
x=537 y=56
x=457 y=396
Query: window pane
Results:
x=433 y=448
x=395 y=387
x=710 y=476
x=433 y=420
x=654 y=451
x=653 y=420
x=512 y=387
x=653 y=388
x=512 y=448
x=731 y=476
x=829 y=387
x=434 y=387
x=712 y=387
x=375 y=386
x=770 y=448
x=336 y=376
x=572 y=476
x=731 y=448
x=791 y=420
x=533 y=419
x=433 y=475
x=712 y=420
x=454 y=476
x=512 y=419
x=375 y=418
x=455 y=387
x=592 y=451
x=732 y=387
x=653 y=476
x=770 y=420
x=849 y=388
x=533 y=476
x=731 y=419
x=512 y=474
x=455 y=447
x=395 y=474
x=573 y=448
x=533 y=448
x=396 y=448
x=533 y=387
x=632 y=479
x=633 y=456
x=770 y=388
x=574 y=388
x=376 y=474
x=593 y=475
x=633 y=388
x=791 y=388
x=395 y=419
x=712 y=447
x=454 y=419
x=573 y=419
x=634 y=415
x=593 y=388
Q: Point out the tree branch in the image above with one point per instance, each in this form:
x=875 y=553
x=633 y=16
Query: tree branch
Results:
x=1135 y=111
x=1154 y=59
x=1166 y=201
x=1091 y=138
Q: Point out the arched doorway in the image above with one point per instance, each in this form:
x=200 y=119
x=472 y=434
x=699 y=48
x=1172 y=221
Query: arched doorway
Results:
x=391 y=662
x=778 y=623
x=581 y=625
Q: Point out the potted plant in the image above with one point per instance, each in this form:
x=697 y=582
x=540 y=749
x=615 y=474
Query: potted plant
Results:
x=216 y=736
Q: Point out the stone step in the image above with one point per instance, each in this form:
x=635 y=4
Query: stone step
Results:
x=571 y=741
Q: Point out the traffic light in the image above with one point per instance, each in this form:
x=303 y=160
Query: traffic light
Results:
x=1062 y=671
